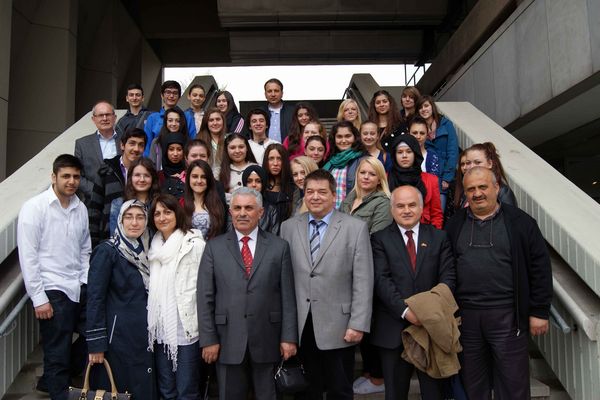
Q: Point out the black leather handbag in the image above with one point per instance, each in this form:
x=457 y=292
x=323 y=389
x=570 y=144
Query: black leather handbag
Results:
x=290 y=378
x=86 y=394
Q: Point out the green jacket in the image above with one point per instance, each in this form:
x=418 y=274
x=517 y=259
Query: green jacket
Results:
x=374 y=210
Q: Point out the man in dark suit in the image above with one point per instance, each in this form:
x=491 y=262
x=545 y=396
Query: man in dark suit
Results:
x=281 y=113
x=246 y=304
x=409 y=258
x=333 y=273
x=93 y=149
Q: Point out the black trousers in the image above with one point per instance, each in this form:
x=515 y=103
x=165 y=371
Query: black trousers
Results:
x=60 y=353
x=397 y=373
x=370 y=357
x=493 y=355
x=329 y=371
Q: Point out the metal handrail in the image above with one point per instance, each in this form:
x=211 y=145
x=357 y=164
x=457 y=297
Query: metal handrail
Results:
x=10 y=318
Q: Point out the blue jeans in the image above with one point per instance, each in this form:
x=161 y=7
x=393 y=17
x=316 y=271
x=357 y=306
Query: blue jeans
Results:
x=57 y=341
x=183 y=384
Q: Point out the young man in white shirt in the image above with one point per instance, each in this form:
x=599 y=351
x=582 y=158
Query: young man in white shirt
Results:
x=54 y=251
x=258 y=125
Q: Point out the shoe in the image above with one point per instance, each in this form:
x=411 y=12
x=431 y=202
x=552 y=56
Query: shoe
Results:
x=358 y=381
x=368 y=387
x=41 y=387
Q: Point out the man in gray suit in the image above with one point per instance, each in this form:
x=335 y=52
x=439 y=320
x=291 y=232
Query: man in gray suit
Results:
x=94 y=148
x=246 y=304
x=333 y=273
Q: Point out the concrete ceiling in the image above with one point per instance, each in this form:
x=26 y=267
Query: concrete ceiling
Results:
x=261 y=32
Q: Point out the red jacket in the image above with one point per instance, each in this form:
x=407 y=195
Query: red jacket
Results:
x=432 y=209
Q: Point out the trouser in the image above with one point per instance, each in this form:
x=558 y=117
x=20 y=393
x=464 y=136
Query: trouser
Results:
x=60 y=352
x=183 y=383
x=234 y=380
x=329 y=371
x=493 y=355
x=370 y=357
x=397 y=373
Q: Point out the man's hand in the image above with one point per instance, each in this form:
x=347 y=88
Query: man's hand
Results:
x=287 y=349
x=211 y=353
x=44 y=311
x=96 y=358
x=537 y=326
x=445 y=185
x=412 y=318
x=353 y=336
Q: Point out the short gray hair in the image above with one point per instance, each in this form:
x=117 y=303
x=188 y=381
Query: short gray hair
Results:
x=246 y=191
x=475 y=170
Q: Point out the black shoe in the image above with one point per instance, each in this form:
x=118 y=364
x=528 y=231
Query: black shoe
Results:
x=41 y=387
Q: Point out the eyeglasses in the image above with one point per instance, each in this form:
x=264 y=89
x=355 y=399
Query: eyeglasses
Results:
x=102 y=116
x=482 y=245
x=171 y=93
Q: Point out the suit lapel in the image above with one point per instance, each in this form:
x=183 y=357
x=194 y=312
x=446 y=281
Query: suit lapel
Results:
x=302 y=227
x=422 y=243
x=405 y=258
x=234 y=249
x=330 y=234
x=259 y=252
x=97 y=147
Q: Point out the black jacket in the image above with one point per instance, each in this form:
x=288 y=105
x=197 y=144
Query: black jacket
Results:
x=395 y=281
x=532 y=273
x=285 y=117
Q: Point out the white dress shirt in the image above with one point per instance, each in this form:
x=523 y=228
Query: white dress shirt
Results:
x=54 y=246
x=108 y=146
x=251 y=243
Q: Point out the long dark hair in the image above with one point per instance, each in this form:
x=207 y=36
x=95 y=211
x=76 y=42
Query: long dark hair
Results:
x=225 y=172
x=323 y=142
x=285 y=176
x=205 y=135
x=231 y=110
x=296 y=131
x=394 y=118
x=435 y=113
x=182 y=124
x=212 y=200
x=169 y=201
x=129 y=192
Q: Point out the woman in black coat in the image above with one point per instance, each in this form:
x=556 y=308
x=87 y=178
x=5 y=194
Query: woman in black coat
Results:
x=117 y=297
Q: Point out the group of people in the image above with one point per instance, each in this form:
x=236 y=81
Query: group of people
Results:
x=197 y=238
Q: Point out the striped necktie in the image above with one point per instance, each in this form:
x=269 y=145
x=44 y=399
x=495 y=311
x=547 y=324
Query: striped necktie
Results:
x=315 y=239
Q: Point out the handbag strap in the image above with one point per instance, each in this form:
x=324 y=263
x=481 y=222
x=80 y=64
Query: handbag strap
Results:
x=86 y=381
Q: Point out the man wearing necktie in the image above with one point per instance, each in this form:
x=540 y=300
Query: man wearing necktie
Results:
x=409 y=258
x=333 y=274
x=246 y=304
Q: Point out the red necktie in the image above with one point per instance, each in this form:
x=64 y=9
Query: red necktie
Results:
x=246 y=255
x=412 y=251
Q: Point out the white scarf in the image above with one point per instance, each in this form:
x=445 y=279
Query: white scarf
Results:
x=163 y=317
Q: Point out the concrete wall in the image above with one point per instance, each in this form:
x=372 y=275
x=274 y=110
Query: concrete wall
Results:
x=5 y=25
x=545 y=49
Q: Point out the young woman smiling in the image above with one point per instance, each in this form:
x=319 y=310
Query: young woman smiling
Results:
x=234 y=123
x=212 y=131
x=346 y=153
x=348 y=111
x=300 y=167
x=384 y=111
x=294 y=143
x=370 y=138
x=173 y=166
x=316 y=148
x=174 y=257
x=236 y=158
x=202 y=202
x=174 y=122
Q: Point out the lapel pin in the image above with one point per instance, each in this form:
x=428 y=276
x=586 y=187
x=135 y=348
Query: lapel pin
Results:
x=423 y=244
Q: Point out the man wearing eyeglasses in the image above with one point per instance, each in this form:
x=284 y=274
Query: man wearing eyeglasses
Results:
x=170 y=93
x=503 y=288
x=94 y=148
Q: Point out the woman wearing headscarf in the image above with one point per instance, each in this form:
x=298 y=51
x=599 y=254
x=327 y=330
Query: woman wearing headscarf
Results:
x=173 y=165
x=406 y=170
x=117 y=297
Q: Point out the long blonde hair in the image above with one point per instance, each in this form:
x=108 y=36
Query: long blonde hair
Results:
x=379 y=170
x=340 y=114
x=308 y=165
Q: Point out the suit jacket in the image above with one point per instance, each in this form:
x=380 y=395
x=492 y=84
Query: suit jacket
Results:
x=88 y=150
x=395 y=281
x=338 y=288
x=285 y=117
x=239 y=313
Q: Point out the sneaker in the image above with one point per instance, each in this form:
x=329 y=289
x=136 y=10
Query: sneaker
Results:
x=368 y=387
x=357 y=382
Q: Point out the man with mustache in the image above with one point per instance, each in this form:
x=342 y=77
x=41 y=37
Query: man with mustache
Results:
x=503 y=288
x=246 y=304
